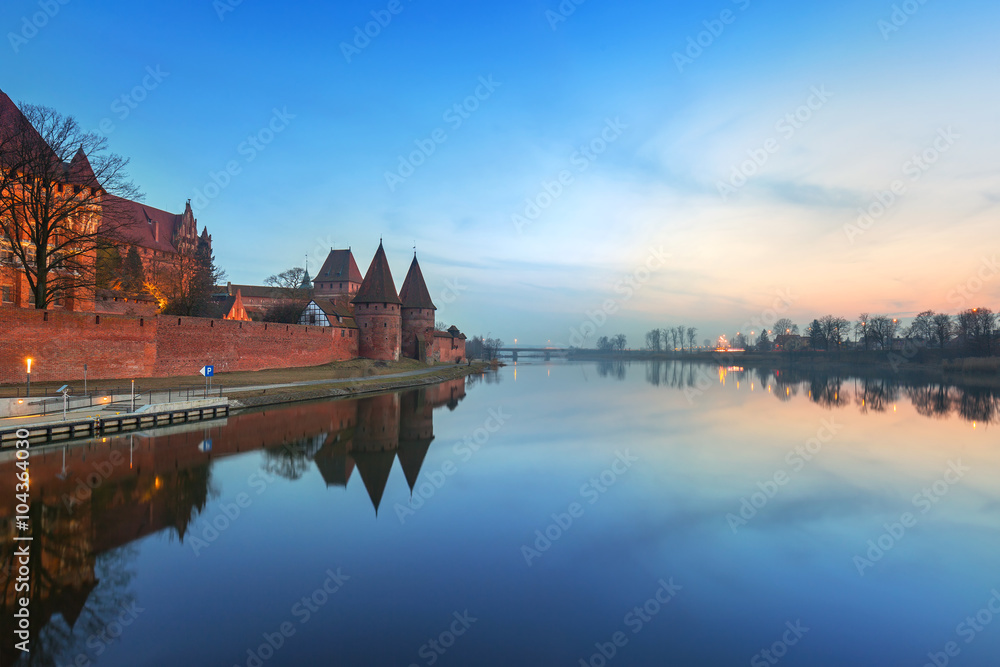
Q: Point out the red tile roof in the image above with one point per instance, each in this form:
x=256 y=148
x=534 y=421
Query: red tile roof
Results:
x=378 y=286
x=140 y=222
x=17 y=135
x=79 y=171
x=339 y=265
x=414 y=293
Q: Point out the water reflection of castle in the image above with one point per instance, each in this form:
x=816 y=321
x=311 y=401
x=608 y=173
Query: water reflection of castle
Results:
x=144 y=485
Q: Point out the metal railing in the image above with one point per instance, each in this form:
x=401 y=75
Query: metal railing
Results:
x=49 y=404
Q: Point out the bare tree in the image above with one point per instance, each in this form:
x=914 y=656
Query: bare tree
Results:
x=680 y=335
x=185 y=286
x=692 y=334
x=833 y=330
x=861 y=331
x=673 y=336
x=619 y=342
x=785 y=326
x=62 y=197
x=943 y=329
x=977 y=328
x=653 y=340
x=290 y=279
x=922 y=327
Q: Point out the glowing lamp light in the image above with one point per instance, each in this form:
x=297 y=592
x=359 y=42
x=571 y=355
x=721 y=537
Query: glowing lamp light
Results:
x=29 y=360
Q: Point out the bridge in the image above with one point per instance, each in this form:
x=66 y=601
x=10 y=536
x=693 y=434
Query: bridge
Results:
x=545 y=352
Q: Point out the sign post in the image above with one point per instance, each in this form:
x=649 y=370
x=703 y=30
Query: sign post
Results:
x=208 y=372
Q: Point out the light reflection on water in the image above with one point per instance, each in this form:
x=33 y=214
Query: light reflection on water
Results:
x=552 y=510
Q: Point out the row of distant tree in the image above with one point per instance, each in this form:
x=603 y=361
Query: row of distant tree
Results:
x=671 y=338
x=975 y=331
x=483 y=347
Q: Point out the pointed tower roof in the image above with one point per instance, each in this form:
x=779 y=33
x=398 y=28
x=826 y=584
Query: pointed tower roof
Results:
x=306 y=281
x=374 y=468
x=414 y=293
x=378 y=286
x=80 y=172
x=340 y=265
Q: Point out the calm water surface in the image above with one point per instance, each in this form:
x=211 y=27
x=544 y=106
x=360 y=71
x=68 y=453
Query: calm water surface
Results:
x=552 y=514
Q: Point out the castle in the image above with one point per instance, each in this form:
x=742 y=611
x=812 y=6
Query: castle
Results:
x=161 y=238
x=368 y=318
x=389 y=325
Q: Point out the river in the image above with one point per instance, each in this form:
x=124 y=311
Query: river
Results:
x=548 y=514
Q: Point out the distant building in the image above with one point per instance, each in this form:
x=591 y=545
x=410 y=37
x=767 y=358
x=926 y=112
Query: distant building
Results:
x=237 y=311
x=791 y=343
x=256 y=299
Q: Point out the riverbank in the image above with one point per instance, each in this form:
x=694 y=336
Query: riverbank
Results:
x=256 y=397
x=283 y=385
x=929 y=364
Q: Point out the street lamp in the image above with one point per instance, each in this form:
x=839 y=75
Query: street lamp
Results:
x=28 y=393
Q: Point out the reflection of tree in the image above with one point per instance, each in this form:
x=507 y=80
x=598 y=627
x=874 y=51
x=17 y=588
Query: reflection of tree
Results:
x=292 y=460
x=932 y=400
x=487 y=377
x=828 y=392
x=978 y=404
x=654 y=370
x=614 y=368
x=877 y=394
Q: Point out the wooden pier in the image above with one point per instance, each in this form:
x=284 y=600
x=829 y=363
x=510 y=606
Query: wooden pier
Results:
x=149 y=416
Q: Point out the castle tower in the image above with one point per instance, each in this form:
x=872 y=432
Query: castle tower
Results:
x=418 y=313
x=339 y=276
x=377 y=312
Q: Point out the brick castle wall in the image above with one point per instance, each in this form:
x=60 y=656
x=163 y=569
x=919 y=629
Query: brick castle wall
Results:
x=122 y=347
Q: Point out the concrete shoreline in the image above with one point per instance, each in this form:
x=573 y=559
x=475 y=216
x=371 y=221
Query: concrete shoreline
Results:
x=376 y=384
x=253 y=396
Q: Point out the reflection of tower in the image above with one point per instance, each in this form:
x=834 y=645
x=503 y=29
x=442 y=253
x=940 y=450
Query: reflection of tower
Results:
x=375 y=442
x=416 y=432
x=377 y=312
x=333 y=461
x=447 y=393
x=418 y=313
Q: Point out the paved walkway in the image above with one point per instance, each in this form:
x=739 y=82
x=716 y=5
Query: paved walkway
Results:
x=158 y=397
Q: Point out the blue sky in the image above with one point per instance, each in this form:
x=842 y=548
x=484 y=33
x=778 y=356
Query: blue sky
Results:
x=664 y=136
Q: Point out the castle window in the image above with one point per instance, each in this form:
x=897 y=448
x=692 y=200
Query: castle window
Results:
x=7 y=294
